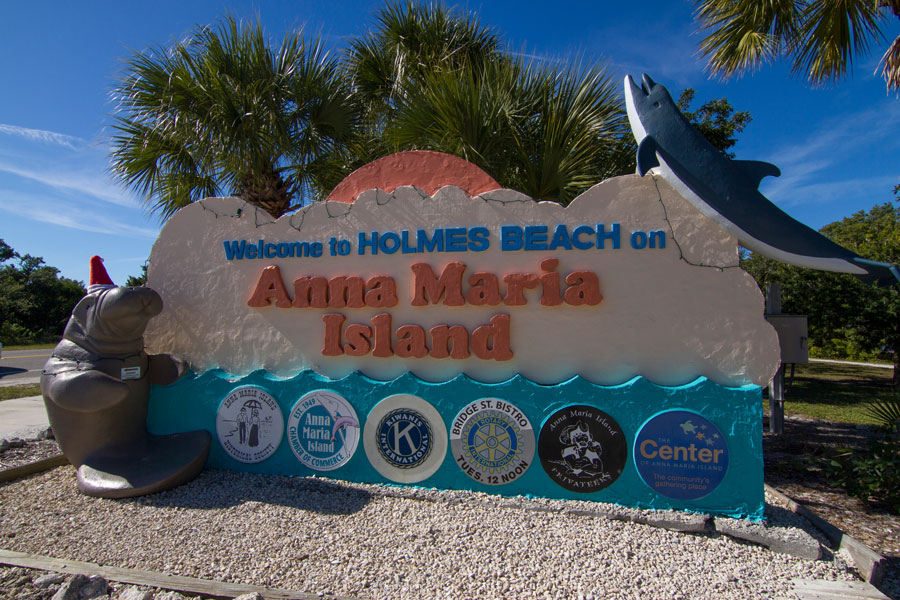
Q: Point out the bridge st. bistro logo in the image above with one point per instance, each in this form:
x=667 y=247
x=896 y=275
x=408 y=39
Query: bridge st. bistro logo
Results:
x=492 y=441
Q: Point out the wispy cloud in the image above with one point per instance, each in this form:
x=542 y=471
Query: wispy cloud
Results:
x=91 y=183
x=63 y=214
x=41 y=135
x=809 y=164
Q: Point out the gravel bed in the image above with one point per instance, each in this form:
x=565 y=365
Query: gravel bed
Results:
x=320 y=536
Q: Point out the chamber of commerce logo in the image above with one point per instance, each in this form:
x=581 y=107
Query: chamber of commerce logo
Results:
x=323 y=430
x=405 y=438
x=249 y=424
x=492 y=441
x=582 y=448
x=681 y=454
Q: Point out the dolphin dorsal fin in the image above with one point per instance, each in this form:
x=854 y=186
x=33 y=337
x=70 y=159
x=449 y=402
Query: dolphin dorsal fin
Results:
x=757 y=169
x=646 y=155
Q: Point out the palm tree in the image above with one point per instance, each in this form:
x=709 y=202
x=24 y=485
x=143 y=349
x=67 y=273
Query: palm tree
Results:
x=549 y=133
x=225 y=113
x=820 y=36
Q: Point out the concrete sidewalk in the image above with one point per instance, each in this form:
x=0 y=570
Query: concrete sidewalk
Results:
x=23 y=417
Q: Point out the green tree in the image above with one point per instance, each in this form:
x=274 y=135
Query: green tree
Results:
x=716 y=120
x=224 y=112
x=821 y=37
x=847 y=318
x=138 y=280
x=35 y=302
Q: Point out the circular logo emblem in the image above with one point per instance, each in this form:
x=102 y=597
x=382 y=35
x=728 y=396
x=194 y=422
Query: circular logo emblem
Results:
x=323 y=430
x=681 y=455
x=249 y=424
x=582 y=448
x=492 y=441
x=405 y=439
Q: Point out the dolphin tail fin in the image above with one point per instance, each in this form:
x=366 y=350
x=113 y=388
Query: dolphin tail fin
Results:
x=646 y=155
x=883 y=274
x=755 y=170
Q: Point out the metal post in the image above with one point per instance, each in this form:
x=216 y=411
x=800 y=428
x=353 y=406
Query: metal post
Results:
x=776 y=402
x=776 y=386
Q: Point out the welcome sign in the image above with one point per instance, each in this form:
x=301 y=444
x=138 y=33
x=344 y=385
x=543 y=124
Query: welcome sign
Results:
x=610 y=350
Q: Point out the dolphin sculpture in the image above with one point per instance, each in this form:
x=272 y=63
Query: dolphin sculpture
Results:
x=726 y=190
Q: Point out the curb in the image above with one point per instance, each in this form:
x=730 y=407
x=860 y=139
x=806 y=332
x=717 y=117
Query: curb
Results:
x=870 y=564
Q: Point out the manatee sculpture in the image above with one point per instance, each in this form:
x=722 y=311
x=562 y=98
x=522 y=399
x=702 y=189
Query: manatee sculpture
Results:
x=96 y=387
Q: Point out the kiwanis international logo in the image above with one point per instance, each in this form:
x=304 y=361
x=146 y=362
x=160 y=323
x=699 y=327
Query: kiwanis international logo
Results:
x=492 y=441
x=405 y=438
x=323 y=430
x=249 y=424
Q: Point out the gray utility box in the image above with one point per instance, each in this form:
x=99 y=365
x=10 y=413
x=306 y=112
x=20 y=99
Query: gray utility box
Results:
x=793 y=335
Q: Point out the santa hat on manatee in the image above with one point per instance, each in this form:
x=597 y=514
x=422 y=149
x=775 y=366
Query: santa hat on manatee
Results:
x=99 y=277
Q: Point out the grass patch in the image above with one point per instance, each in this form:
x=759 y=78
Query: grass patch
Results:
x=11 y=392
x=837 y=393
x=29 y=347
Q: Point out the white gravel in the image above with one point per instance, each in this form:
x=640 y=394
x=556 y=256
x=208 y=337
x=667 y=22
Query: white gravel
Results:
x=327 y=537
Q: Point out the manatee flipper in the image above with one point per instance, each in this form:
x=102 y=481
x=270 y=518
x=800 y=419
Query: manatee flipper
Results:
x=756 y=170
x=84 y=391
x=646 y=155
x=157 y=463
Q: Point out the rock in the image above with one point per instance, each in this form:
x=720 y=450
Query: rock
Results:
x=134 y=593
x=46 y=434
x=48 y=579
x=250 y=596
x=82 y=587
x=169 y=596
x=15 y=442
x=71 y=588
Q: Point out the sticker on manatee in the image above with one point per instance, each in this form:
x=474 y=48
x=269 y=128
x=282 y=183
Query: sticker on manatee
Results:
x=492 y=441
x=323 y=430
x=680 y=454
x=405 y=438
x=582 y=448
x=249 y=424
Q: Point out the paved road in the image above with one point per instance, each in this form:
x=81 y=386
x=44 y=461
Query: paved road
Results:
x=20 y=367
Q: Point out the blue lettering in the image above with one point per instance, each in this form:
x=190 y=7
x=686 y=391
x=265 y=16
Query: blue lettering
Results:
x=456 y=239
x=510 y=238
x=234 y=249
x=536 y=237
x=658 y=239
x=613 y=236
x=478 y=239
x=252 y=251
x=561 y=238
x=270 y=250
x=576 y=237
x=363 y=243
x=406 y=248
x=638 y=240
x=435 y=244
x=391 y=237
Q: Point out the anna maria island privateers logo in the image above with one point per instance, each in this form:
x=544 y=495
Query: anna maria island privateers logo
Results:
x=323 y=430
x=492 y=441
x=681 y=455
x=405 y=438
x=249 y=424
x=582 y=448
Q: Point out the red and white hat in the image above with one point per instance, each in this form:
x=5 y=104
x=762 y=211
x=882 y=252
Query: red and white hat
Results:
x=99 y=277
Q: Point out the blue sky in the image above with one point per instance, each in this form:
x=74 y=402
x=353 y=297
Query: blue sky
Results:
x=837 y=147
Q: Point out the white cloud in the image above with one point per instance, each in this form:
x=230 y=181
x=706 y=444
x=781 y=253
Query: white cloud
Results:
x=40 y=135
x=88 y=181
x=62 y=214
